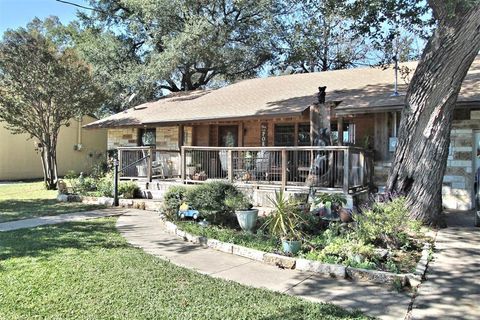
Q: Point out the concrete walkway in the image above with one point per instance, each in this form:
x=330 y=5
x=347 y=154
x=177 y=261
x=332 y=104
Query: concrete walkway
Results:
x=61 y=218
x=452 y=289
x=144 y=229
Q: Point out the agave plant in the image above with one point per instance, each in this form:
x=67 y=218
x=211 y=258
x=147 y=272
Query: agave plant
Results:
x=285 y=220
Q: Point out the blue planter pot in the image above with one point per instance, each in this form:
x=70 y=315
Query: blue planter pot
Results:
x=247 y=219
x=291 y=246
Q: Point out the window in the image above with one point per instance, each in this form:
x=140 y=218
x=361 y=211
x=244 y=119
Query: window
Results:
x=348 y=133
x=303 y=135
x=147 y=137
x=284 y=135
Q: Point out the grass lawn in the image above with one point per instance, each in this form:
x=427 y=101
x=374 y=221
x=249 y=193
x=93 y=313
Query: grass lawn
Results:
x=27 y=200
x=86 y=270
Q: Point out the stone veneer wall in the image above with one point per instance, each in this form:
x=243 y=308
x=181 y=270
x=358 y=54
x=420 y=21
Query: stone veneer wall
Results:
x=167 y=138
x=124 y=137
x=458 y=181
x=457 y=189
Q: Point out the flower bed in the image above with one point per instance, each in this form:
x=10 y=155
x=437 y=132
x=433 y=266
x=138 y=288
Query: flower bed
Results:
x=332 y=270
x=380 y=238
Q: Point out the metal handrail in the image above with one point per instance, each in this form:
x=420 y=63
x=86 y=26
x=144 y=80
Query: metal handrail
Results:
x=133 y=163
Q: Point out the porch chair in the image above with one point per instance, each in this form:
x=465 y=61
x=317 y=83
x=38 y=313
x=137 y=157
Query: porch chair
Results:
x=262 y=164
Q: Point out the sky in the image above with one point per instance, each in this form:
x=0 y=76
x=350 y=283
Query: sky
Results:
x=17 y=13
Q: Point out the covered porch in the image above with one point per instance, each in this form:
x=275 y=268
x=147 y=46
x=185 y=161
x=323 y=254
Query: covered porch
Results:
x=344 y=169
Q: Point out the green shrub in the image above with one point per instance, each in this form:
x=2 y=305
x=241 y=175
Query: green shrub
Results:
x=238 y=202
x=128 y=189
x=85 y=185
x=209 y=198
x=105 y=186
x=344 y=250
x=386 y=224
x=172 y=200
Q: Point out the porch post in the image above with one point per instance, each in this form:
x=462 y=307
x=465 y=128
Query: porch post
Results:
x=284 y=168
x=149 y=164
x=230 y=165
x=346 y=169
x=182 y=163
x=340 y=130
x=120 y=165
x=361 y=160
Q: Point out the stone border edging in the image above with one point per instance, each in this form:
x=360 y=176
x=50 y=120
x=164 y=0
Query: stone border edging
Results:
x=326 y=269
x=139 y=203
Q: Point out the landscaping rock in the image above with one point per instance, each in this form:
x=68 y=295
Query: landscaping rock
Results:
x=105 y=201
x=180 y=233
x=170 y=227
x=126 y=203
x=191 y=238
x=62 y=197
x=279 y=261
x=382 y=254
x=220 y=246
x=331 y=270
x=422 y=264
x=413 y=280
x=380 y=277
x=248 y=253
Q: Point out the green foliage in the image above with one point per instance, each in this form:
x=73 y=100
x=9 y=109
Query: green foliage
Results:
x=317 y=36
x=105 y=186
x=386 y=224
x=333 y=247
x=85 y=185
x=259 y=240
x=285 y=220
x=172 y=200
x=139 y=48
x=128 y=190
x=60 y=87
x=238 y=202
x=211 y=196
x=333 y=198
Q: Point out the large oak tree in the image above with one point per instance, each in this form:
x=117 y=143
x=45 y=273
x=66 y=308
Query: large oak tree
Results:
x=43 y=85
x=421 y=155
x=142 y=49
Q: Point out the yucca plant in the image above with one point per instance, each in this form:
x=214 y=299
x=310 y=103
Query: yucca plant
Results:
x=285 y=220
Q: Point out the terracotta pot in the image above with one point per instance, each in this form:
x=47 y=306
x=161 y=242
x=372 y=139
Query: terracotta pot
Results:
x=345 y=215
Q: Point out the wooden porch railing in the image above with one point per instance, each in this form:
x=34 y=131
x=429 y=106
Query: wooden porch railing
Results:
x=343 y=167
x=148 y=163
x=338 y=167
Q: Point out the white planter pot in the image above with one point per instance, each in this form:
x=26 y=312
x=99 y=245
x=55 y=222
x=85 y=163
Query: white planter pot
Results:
x=247 y=219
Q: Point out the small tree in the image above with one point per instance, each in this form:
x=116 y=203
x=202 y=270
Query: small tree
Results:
x=43 y=85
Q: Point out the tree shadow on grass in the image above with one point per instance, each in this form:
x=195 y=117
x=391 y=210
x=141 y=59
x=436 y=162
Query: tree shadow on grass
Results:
x=42 y=242
x=28 y=208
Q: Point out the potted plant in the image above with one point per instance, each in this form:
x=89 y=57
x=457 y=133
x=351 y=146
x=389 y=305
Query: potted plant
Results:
x=284 y=222
x=246 y=215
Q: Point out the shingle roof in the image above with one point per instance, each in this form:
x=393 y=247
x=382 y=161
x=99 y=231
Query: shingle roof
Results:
x=358 y=90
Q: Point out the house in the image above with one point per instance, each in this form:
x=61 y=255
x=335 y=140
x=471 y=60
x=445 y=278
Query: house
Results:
x=78 y=149
x=271 y=132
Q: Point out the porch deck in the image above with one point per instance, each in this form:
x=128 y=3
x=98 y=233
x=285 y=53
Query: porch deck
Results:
x=337 y=168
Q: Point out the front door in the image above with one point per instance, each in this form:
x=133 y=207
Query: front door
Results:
x=228 y=136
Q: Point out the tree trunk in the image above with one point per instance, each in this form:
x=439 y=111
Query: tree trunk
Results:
x=49 y=165
x=421 y=155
